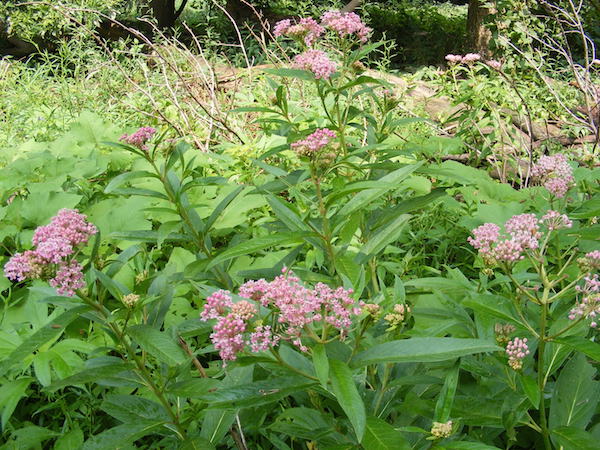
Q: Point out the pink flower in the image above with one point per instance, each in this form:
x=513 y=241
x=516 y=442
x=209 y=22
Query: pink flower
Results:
x=524 y=229
x=556 y=221
x=554 y=173
x=306 y=29
x=68 y=278
x=262 y=339
x=68 y=225
x=346 y=24
x=517 y=350
x=23 y=266
x=484 y=236
x=228 y=336
x=281 y=27
x=52 y=259
x=454 y=59
x=216 y=305
x=317 y=62
x=139 y=138
x=314 y=142
x=470 y=58
x=589 y=305
x=496 y=65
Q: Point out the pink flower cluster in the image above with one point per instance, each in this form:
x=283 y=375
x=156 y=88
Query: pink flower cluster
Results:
x=346 y=24
x=554 y=173
x=589 y=306
x=314 y=142
x=523 y=233
x=591 y=261
x=53 y=255
x=469 y=58
x=295 y=308
x=307 y=29
x=139 y=138
x=517 y=350
x=317 y=62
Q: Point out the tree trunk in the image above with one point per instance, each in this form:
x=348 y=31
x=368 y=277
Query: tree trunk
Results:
x=479 y=36
x=164 y=13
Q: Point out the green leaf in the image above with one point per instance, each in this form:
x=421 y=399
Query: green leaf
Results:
x=221 y=207
x=117 y=290
x=119 y=436
x=571 y=438
x=494 y=305
x=125 y=177
x=45 y=334
x=131 y=409
x=256 y=244
x=581 y=344
x=73 y=440
x=465 y=445
x=382 y=238
x=95 y=370
x=380 y=435
x=575 y=395
x=216 y=424
x=426 y=349
x=321 y=364
x=256 y=393
x=443 y=406
x=530 y=387
x=368 y=196
x=31 y=437
x=158 y=344
x=10 y=394
x=284 y=213
x=291 y=73
x=347 y=395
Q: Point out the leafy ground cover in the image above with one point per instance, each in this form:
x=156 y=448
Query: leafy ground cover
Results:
x=312 y=253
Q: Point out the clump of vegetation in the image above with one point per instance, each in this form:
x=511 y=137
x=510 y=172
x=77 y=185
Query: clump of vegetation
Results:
x=309 y=253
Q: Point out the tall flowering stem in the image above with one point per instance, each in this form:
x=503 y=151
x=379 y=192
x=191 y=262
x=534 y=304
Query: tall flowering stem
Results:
x=525 y=237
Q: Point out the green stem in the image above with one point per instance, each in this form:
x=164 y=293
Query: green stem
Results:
x=386 y=376
x=142 y=369
x=326 y=227
x=540 y=369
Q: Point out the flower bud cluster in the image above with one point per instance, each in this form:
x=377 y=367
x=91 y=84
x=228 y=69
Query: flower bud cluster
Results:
x=53 y=256
x=503 y=332
x=590 y=262
x=517 y=350
x=397 y=316
x=589 y=305
x=441 y=430
x=554 y=173
x=295 y=308
x=307 y=30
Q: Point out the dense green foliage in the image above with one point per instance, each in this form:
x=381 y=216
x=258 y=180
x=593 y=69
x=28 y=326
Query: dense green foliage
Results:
x=429 y=332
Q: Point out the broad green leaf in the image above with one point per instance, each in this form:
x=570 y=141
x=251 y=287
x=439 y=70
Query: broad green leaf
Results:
x=493 y=305
x=73 y=440
x=583 y=345
x=380 y=435
x=116 y=289
x=530 y=387
x=116 y=437
x=255 y=245
x=367 y=197
x=10 y=394
x=346 y=393
x=31 y=437
x=216 y=424
x=443 y=406
x=426 y=349
x=95 y=370
x=158 y=344
x=256 y=393
x=125 y=177
x=288 y=216
x=575 y=395
x=465 y=445
x=571 y=438
x=45 y=334
x=321 y=364
x=291 y=73
x=382 y=238
x=130 y=409
x=222 y=206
